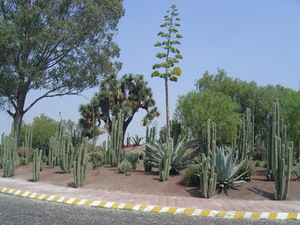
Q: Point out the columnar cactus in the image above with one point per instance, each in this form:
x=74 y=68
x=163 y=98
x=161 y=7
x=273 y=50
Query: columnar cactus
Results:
x=208 y=177
x=2 y=150
x=36 y=164
x=279 y=153
x=80 y=165
x=115 y=152
x=67 y=156
x=28 y=137
x=56 y=144
x=9 y=155
x=246 y=137
x=61 y=149
x=150 y=139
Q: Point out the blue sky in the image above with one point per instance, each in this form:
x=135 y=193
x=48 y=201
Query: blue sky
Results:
x=254 y=40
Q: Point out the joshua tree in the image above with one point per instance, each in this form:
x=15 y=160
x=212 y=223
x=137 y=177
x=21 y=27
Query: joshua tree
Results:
x=128 y=94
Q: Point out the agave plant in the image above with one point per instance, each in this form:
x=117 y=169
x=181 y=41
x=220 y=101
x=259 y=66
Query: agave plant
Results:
x=124 y=167
x=227 y=169
x=180 y=157
x=247 y=171
x=133 y=158
x=137 y=140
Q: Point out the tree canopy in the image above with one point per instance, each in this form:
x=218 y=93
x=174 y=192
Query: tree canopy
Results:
x=247 y=94
x=195 y=108
x=259 y=99
x=60 y=46
x=128 y=94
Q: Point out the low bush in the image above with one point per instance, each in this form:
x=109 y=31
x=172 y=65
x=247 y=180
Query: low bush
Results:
x=191 y=176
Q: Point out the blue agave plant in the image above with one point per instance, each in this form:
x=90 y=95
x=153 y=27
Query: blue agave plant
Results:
x=227 y=169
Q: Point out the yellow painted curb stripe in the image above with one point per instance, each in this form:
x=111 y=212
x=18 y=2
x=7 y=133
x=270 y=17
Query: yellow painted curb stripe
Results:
x=194 y=212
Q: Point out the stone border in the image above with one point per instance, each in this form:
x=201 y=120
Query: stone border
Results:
x=145 y=208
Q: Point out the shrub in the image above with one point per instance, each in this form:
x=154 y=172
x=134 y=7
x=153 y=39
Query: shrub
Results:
x=296 y=173
x=25 y=152
x=259 y=153
x=97 y=160
x=124 y=167
x=23 y=161
x=191 y=176
x=257 y=163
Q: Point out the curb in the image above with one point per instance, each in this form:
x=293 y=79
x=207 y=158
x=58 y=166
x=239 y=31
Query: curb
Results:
x=145 y=208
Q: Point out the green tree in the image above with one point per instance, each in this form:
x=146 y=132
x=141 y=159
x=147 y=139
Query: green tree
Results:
x=128 y=94
x=43 y=128
x=247 y=94
x=170 y=56
x=291 y=114
x=61 y=47
x=195 y=108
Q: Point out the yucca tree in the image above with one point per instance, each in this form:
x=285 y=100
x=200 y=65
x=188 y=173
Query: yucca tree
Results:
x=171 y=55
x=128 y=94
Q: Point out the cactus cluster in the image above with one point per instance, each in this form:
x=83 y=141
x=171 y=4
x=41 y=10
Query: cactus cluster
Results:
x=246 y=136
x=115 y=152
x=9 y=155
x=28 y=137
x=208 y=177
x=80 y=165
x=61 y=149
x=55 y=144
x=150 y=140
x=279 y=153
x=67 y=156
x=36 y=164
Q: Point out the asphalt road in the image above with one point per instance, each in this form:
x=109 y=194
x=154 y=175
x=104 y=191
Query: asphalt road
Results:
x=20 y=210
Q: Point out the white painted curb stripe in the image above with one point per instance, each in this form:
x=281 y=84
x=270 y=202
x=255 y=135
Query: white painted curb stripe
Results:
x=193 y=212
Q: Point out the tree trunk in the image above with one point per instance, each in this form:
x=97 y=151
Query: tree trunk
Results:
x=19 y=113
x=18 y=117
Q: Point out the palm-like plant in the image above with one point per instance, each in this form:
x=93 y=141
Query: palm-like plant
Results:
x=227 y=169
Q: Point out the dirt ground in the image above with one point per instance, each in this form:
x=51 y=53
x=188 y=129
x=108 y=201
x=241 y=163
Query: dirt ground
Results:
x=141 y=182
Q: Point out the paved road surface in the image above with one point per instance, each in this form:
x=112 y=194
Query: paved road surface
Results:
x=18 y=210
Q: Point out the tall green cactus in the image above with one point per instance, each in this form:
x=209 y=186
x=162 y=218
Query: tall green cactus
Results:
x=208 y=177
x=36 y=164
x=150 y=139
x=9 y=155
x=116 y=152
x=61 y=148
x=279 y=153
x=80 y=165
x=28 y=137
x=175 y=130
x=67 y=156
x=246 y=137
x=2 y=150
x=56 y=144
